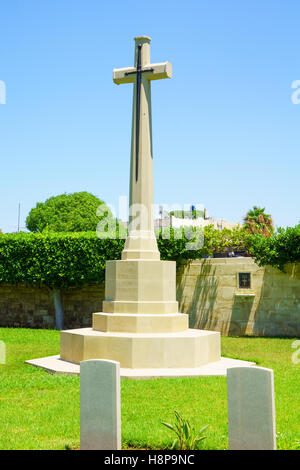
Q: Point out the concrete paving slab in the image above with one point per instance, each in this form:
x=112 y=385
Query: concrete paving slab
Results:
x=55 y=365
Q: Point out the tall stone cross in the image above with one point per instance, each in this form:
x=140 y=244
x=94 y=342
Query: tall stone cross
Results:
x=141 y=241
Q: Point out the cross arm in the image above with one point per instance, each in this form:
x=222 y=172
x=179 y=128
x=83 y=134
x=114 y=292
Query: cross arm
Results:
x=161 y=70
x=124 y=75
x=151 y=72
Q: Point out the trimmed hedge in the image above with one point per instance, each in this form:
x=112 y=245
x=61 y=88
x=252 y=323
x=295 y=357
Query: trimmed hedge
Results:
x=56 y=259
x=65 y=260
x=281 y=248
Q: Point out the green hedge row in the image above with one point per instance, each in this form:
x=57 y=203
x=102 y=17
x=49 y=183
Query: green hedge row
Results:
x=55 y=259
x=281 y=248
x=69 y=259
x=73 y=259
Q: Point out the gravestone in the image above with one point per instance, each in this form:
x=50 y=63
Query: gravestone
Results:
x=100 y=412
x=2 y=352
x=251 y=408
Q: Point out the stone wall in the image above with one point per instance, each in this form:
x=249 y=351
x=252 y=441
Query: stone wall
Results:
x=206 y=289
x=33 y=307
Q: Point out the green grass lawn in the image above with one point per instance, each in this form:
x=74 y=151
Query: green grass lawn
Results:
x=41 y=411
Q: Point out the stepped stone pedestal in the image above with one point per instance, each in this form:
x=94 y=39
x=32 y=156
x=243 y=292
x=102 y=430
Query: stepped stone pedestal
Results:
x=140 y=326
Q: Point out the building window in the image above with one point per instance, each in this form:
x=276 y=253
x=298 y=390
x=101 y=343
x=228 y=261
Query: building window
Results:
x=244 y=280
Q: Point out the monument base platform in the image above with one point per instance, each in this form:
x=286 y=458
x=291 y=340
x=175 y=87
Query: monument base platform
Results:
x=184 y=349
x=55 y=365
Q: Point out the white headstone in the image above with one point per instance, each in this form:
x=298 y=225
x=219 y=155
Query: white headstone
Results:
x=2 y=352
x=251 y=408
x=100 y=411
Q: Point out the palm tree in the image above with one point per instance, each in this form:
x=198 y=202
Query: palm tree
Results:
x=256 y=221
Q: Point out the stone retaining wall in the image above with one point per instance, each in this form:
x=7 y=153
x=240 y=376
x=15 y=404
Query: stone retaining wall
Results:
x=33 y=307
x=206 y=289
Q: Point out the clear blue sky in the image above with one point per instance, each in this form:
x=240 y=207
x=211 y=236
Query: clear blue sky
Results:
x=226 y=133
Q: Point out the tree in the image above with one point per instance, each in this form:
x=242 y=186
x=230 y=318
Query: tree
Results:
x=256 y=221
x=281 y=248
x=74 y=212
x=192 y=214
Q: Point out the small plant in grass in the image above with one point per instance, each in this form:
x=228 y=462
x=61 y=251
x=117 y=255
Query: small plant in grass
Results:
x=285 y=441
x=187 y=437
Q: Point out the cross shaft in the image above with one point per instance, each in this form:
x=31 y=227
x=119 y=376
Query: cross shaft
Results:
x=141 y=241
x=139 y=70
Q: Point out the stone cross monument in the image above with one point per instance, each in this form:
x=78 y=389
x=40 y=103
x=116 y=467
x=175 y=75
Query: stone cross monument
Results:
x=140 y=326
x=141 y=243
